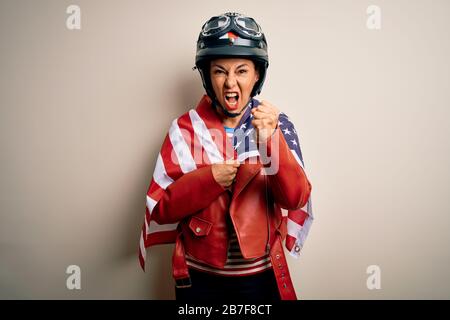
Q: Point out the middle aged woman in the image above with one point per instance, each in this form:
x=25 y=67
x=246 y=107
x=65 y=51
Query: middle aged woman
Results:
x=225 y=208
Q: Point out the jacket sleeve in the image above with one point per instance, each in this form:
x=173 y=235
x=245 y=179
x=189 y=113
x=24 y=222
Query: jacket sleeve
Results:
x=190 y=193
x=287 y=179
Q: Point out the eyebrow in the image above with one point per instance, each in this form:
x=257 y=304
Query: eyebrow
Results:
x=219 y=66
x=242 y=65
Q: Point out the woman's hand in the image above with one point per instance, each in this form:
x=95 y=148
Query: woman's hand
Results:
x=225 y=172
x=265 y=120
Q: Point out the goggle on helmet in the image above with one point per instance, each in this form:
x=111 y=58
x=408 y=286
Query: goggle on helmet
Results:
x=231 y=35
x=221 y=24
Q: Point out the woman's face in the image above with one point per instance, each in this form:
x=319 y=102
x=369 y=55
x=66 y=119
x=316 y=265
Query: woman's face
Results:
x=232 y=80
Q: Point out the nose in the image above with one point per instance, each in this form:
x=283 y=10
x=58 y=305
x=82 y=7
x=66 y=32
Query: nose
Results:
x=230 y=81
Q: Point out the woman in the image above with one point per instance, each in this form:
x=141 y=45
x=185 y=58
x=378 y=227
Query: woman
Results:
x=224 y=172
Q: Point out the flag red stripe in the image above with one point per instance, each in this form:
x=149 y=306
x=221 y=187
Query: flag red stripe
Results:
x=298 y=216
x=161 y=237
x=290 y=242
x=168 y=156
x=155 y=191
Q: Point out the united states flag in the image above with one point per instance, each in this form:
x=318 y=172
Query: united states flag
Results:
x=192 y=135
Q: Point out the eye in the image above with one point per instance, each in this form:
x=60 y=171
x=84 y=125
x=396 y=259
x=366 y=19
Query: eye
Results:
x=218 y=71
x=242 y=71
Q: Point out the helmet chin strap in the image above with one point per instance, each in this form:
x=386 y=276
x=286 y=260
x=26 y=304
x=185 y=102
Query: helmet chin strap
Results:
x=228 y=113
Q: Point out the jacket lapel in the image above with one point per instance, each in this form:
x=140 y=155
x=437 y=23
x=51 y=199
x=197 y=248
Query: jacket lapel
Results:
x=246 y=172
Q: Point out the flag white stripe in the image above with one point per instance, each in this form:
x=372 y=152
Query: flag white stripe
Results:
x=310 y=211
x=204 y=136
x=293 y=228
x=307 y=224
x=305 y=207
x=303 y=233
x=146 y=225
x=181 y=148
x=160 y=175
x=150 y=204
x=155 y=227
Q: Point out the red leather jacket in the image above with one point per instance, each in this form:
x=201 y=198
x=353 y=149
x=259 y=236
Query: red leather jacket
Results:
x=254 y=205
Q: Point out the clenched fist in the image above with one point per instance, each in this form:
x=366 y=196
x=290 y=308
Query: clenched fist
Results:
x=225 y=172
x=265 y=120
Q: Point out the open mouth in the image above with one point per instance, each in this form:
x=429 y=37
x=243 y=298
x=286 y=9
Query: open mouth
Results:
x=232 y=99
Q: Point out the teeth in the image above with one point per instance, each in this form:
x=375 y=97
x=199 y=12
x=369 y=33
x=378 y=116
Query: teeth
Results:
x=230 y=96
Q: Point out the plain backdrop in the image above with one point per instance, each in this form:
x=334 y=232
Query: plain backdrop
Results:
x=84 y=113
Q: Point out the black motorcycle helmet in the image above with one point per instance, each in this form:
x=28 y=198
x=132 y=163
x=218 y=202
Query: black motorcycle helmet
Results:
x=231 y=35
